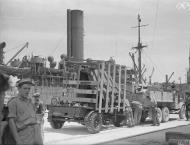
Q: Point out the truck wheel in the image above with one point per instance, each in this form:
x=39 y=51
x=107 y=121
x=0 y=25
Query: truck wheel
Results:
x=159 y=113
x=165 y=114
x=86 y=118
x=94 y=123
x=182 y=112
x=56 y=124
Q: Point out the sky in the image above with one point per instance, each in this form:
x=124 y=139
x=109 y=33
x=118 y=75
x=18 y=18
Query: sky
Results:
x=107 y=31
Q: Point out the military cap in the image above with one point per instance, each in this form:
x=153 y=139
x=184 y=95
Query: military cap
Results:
x=25 y=81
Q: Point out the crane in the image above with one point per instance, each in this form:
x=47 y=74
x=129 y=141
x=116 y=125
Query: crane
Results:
x=150 y=77
x=26 y=45
x=168 y=79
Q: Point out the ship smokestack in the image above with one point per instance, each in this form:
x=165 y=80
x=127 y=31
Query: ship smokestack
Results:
x=75 y=34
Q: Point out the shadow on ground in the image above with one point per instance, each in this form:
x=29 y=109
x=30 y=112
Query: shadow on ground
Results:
x=69 y=130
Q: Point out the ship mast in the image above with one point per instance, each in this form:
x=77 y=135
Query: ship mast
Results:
x=139 y=48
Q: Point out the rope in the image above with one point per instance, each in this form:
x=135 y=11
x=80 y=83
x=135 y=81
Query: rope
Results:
x=20 y=45
x=57 y=46
x=154 y=64
x=155 y=23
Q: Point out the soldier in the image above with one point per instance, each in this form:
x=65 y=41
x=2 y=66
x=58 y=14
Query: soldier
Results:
x=187 y=105
x=40 y=111
x=153 y=107
x=155 y=118
x=129 y=120
x=22 y=116
x=39 y=107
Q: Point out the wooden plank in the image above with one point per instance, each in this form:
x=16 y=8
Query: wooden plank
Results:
x=113 y=91
x=98 y=86
x=111 y=82
x=101 y=88
x=109 y=108
x=124 y=96
x=119 y=93
x=77 y=99
x=73 y=82
x=84 y=91
x=108 y=86
x=95 y=75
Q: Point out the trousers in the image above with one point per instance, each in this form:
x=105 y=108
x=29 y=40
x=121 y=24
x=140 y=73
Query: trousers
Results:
x=137 y=115
x=129 y=120
x=31 y=135
x=155 y=118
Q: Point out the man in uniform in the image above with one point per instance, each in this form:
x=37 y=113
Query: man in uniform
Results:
x=22 y=116
x=154 y=109
x=187 y=105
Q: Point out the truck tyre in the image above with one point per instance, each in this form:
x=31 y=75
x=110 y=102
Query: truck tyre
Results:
x=117 y=121
x=56 y=124
x=159 y=113
x=94 y=122
x=182 y=112
x=86 y=118
x=165 y=114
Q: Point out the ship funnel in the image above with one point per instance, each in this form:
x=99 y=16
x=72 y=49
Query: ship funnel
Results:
x=75 y=34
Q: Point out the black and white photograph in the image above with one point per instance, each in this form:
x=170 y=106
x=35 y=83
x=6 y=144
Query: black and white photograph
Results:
x=94 y=72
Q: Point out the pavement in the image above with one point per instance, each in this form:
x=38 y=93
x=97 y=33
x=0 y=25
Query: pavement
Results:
x=74 y=133
x=178 y=134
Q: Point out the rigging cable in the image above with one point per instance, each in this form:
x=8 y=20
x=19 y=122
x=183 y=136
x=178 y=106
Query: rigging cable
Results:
x=154 y=36
x=57 y=46
x=18 y=46
x=154 y=64
x=155 y=23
